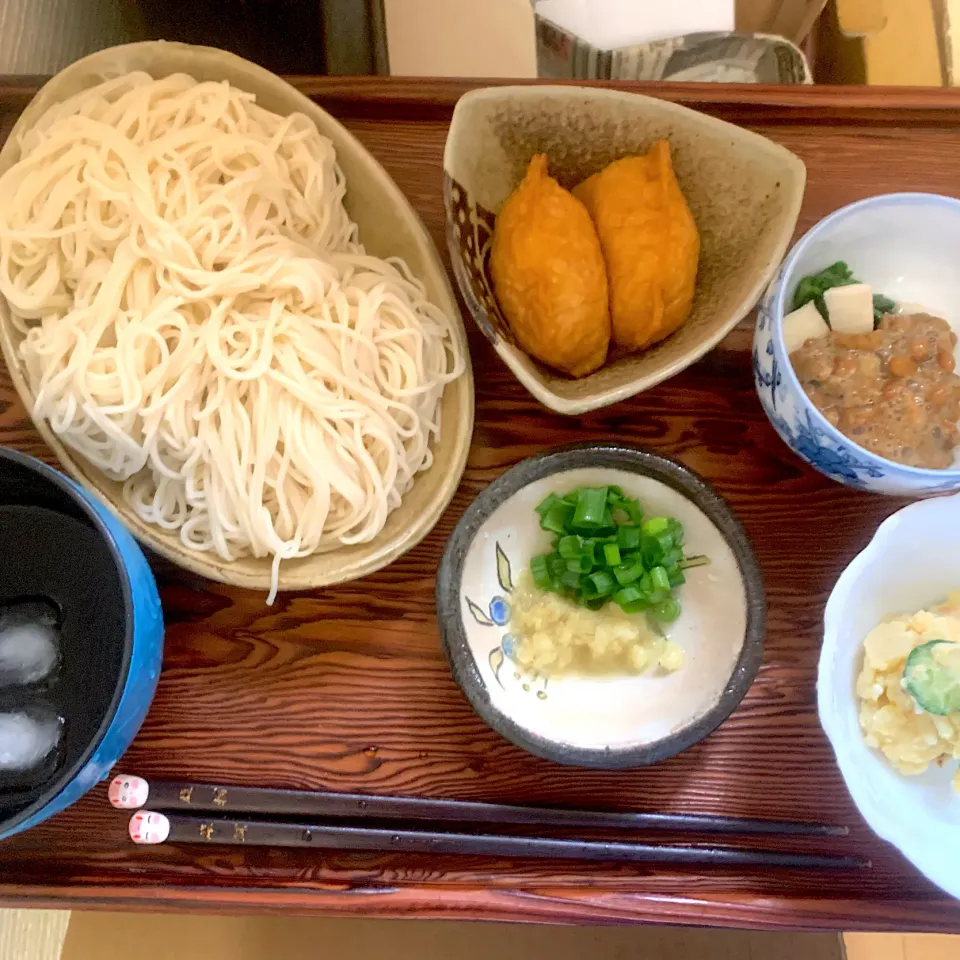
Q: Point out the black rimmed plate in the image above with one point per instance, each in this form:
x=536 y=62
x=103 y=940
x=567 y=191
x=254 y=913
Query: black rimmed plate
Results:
x=611 y=721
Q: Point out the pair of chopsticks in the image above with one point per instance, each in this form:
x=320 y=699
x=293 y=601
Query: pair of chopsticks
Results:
x=205 y=813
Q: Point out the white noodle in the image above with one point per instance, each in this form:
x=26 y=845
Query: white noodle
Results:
x=201 y=322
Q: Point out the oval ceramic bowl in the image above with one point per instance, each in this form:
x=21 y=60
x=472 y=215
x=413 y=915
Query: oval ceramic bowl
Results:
x=899 y=243
x=388 y=227
x=912 y=563
x=611 y=722
x=745 y=193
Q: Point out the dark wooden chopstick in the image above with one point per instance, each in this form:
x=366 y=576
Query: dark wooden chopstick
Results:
x=183 y=828
x=165 y=795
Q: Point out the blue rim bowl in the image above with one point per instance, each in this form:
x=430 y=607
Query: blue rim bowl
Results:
x=916 y=221
x=129 y=691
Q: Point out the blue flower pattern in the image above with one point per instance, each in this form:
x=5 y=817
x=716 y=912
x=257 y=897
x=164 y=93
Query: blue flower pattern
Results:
x=497 y=614
x=499 y=611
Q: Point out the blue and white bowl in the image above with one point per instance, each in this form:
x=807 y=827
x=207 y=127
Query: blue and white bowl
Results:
x=902 y=244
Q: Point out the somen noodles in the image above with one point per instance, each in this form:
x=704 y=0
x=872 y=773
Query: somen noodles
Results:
x=202 y=322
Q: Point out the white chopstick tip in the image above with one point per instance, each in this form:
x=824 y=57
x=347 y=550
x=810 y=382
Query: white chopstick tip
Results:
x=149 y=828
x=128 y=793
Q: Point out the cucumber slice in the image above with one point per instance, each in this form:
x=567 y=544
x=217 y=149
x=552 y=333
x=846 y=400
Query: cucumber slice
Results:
x=932 y=677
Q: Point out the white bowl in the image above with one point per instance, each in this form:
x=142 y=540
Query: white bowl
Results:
x=912 y=563
x=903 y=245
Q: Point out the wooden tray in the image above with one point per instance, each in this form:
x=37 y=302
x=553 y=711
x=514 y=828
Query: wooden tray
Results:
x=348 y=690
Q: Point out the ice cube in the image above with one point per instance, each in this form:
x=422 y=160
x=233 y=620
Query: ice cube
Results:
x=26 y=740
x=29 y=644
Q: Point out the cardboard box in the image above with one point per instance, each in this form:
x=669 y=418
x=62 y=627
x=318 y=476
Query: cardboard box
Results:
x=762 y=50
x=886 y=42
x=793 y=19
x=497 y=38
x=461 y=38
x=949 y=33
x=610 y=24
x=698 y=57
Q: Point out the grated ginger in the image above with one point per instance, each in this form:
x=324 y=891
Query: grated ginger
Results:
x=555 y=635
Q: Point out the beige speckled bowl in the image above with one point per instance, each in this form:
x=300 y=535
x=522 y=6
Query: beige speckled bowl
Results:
x=744 y=191
x=388 y=226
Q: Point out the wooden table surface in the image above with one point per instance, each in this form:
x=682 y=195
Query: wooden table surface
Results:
x=347 y=689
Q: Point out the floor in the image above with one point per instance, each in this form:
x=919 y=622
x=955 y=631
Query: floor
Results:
x=104 y=937
x=895 y=946
x=59 y=935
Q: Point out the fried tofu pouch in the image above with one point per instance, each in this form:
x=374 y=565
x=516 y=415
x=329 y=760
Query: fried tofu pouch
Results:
x=650 y=244
x=549 y=276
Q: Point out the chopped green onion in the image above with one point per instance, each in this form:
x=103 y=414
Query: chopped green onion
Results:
x=557 y=518
x=547 y=504
x=602 y=549
x=633 y=511
x=677 y=530
x=540 y=571
x=571 y=547
x=628 y=573
x=672 y=558
x=591 y=506
x=666 y=611
x=645 y=586
x=603 y=584
x=666 y=541
x=687 y=563
x=628 y=538
x=627 y=595
x=660 y=580
x=652 y=552
x=655 y=525
x=581 y=564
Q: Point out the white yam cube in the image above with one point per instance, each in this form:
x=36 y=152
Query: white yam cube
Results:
x=803 y=325
x=850 y=308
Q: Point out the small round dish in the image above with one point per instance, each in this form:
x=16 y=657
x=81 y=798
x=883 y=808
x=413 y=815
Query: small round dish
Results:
x=617 y=721
x=900 y=244
x=912 y=563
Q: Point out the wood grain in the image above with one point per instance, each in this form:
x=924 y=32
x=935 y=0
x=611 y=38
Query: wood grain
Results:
x=347 y=689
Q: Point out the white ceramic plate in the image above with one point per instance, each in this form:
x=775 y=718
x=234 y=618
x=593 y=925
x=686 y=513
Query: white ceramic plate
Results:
x=612 y=721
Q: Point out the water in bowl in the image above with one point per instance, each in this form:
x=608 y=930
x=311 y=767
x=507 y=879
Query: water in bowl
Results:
x=59 y=617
